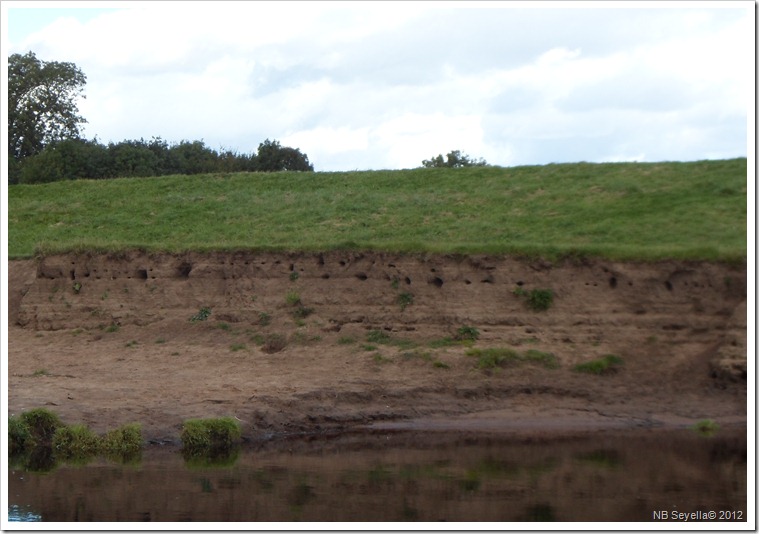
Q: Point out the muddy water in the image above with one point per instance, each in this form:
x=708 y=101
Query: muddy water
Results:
x=408 y=476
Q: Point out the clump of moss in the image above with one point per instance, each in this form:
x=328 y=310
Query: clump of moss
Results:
x=601 y=366
x=500 y=357
x=209 y=436
x=705 y=427
x=546 y=359
x=493 y=357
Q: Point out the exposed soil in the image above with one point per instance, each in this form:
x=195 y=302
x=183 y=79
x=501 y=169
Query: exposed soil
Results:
x=108 y=339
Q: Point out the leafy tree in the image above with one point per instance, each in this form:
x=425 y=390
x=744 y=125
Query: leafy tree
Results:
x=66 y=160
x=454 y=159
x=273 y=157
x=42 y=104
x=194 y=157
x=132 y=158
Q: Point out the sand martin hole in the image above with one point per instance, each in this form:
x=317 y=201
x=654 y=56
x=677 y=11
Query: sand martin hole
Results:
x=183 y=271
x=668 y=285
x=612 y=282
x=361 y=276
x=436 y=281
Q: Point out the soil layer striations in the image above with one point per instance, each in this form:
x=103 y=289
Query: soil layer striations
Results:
x=290 y=343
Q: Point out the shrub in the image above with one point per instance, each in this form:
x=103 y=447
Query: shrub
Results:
x=202 y=315
x=75 y=442
x=301 y=312
x=124 y=441
x=454 y=159
x=203 y=436
x=264 y=319
x=467 y=333
x=292 y=298
x=405 y=299
x=274 y=343
x=606 y=365
x=540 y=299
x=42 y=424
x=19 y=435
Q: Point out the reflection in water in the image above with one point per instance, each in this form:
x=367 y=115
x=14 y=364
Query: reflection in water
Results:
x=405 y=476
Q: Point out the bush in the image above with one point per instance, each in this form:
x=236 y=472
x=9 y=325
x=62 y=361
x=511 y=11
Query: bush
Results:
x=75 y=442
x=42 y=424
x=292 y=298
x=454 y=159
x=540 y=299
x=274 y=343
x=124 y=441
x=204 y=436
x=467 y=333
x=273 y=157
x=19 y=435
x=202 y=315
x=74 y=158
x=405 y=299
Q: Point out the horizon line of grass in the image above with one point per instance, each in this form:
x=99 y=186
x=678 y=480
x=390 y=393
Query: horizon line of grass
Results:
x=618 y=211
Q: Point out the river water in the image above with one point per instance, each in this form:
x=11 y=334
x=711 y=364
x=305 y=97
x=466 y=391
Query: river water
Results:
x=641 y=475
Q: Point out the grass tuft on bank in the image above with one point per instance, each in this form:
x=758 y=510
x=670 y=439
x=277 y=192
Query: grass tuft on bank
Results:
x=625 y=211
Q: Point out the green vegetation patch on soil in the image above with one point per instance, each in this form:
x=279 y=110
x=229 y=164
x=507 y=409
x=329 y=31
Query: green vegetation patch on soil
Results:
x=649 y=211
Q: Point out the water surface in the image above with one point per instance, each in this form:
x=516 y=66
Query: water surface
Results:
x=405 y=476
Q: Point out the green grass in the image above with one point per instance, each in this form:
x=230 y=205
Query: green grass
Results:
x=705 y=427
x=75 y=442
x=200 y=436
x=601 y=366
x=382 y=338
x=647 y=211
x=40 y=431
x=500 y=357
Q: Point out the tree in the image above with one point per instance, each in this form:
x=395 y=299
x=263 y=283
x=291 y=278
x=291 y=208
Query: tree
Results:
x=454 y=159
x=42 y=105
x=273 y=157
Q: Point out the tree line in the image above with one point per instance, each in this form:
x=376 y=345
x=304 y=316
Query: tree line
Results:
x=45 y=142
x=80 y=158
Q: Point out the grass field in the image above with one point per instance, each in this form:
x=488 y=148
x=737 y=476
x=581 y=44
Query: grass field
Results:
x=646 y=211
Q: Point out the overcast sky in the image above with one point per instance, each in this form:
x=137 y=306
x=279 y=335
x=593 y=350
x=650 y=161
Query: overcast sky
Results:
x=361 y=85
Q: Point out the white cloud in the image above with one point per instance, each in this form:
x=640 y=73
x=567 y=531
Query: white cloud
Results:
x=385 y=85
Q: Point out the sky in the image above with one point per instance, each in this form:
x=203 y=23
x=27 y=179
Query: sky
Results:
x=385 y=85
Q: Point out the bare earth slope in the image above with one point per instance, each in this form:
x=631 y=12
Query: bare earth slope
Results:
x=107 y=340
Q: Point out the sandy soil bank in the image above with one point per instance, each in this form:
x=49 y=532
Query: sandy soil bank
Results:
x=108 y=339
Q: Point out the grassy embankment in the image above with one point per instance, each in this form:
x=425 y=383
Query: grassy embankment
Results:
x=646 y=211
